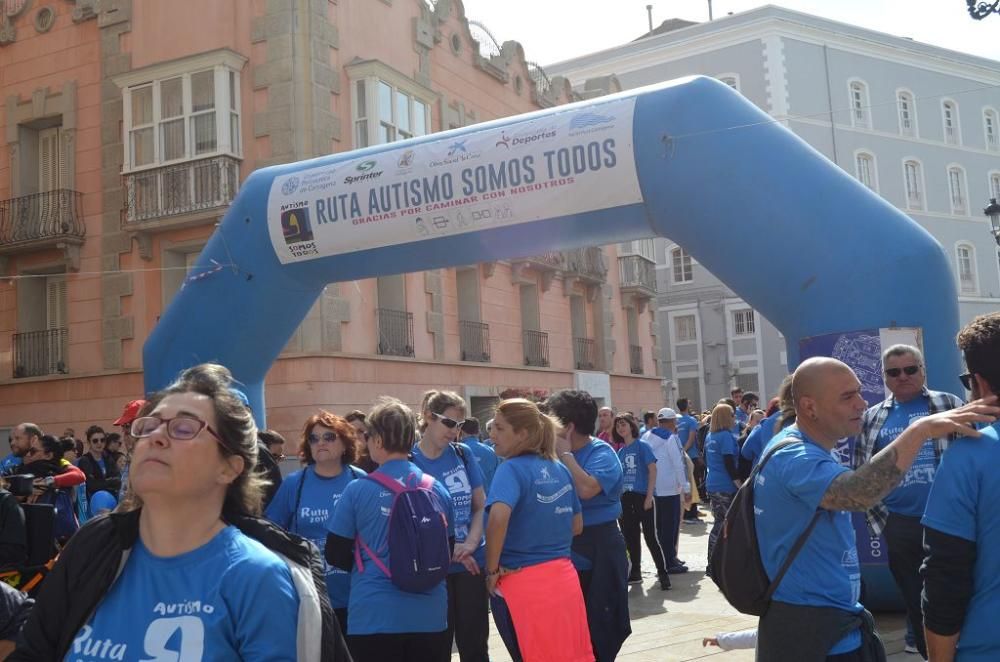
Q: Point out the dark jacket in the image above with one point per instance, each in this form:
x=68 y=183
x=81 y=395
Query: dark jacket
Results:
x=97 y=554
x=97 y=480
x=268 y=467
x=13 y=533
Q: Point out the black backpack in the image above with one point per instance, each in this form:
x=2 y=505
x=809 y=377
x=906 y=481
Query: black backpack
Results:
x=736 y=566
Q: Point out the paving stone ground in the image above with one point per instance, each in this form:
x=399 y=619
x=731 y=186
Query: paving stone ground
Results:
x=668 y=626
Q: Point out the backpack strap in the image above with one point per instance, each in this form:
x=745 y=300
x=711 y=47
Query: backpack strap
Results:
x=461 y=455
x=298 y=499
x=385 y=481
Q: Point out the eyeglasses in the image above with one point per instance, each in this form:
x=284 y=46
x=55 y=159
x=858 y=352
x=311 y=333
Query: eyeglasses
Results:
x=449 y=423
x=966 y=379
x=97 y=440
x=895 y=372
x=328 y=437
x=179 y=428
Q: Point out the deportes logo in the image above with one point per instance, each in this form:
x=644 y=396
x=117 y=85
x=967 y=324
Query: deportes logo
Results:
x=290 y=185
x=588 y=120
x=504 y=141
x=295 y=226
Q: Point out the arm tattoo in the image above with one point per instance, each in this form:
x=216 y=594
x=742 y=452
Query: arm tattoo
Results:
x=864 y=487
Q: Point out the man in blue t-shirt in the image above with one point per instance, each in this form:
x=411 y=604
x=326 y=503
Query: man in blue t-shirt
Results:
x=687 y=432
x=599 y=551
x=20 y=443
x=898 y=516
x=485 y=456
x=961 y=572
x=803 y=478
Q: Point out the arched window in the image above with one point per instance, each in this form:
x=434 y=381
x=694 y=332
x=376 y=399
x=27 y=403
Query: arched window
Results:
x=913 y=178
x=949 y=118
x=907 y=113
x=957 y=190
x=867 y=174
x=990 y=129
x=681 y=261
x=965 y=264
x=860 y=116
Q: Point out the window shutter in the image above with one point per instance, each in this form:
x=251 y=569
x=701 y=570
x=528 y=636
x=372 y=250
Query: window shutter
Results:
x=55 y=302
x=51 y=165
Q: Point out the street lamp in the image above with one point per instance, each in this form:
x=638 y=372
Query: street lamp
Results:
x=993 y=211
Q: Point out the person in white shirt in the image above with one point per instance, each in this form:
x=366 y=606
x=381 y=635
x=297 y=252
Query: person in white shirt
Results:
x=672 y=486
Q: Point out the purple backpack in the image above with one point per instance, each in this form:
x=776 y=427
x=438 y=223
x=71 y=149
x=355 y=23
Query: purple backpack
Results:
x=419 y=554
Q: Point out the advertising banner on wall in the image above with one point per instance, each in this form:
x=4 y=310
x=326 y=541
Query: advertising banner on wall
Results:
x=567 y=163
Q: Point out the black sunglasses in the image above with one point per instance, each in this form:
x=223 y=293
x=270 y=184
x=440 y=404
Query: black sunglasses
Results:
x=449 y=423
x=895 y=372
x=328 y=437
x=966 y=379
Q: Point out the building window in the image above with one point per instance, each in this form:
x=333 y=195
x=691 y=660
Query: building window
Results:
x=860 y=117
x=732 y=80
x=683 y=273
x=965 y=261
x=995 y=185
x=384 y=113
x=865 y=165
x=685 y=329
x=956 y=190
x=642 y=247
x=743 y=322
x=914 y=184
x=990 y=129
x=907 y=114
x=949 y=117
x=182 y=117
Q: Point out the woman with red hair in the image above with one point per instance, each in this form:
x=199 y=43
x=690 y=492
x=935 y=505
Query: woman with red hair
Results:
x=305 y=501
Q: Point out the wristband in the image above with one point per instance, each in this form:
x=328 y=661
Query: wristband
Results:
x=493 y=573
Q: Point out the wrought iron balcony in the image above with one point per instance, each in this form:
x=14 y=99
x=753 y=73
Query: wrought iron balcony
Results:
x=587 y=264
x=637 y=276
x=39 y=353
x=474 y=341
x=536 y=348
x=179 y=189
x=635 y=359
x=584 y=353
x=395 y=332
x=39 y=220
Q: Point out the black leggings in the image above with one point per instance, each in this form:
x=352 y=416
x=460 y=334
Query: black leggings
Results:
x=468 y=615
x=401 y=647
x=634 y=518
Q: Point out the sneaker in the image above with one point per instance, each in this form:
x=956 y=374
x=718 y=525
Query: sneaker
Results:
x=664 y=585
x=911 y=648
x=635 y=580
x=691 y=520
x=677 y=569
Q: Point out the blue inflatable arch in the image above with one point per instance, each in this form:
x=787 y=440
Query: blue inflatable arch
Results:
x=796 y=237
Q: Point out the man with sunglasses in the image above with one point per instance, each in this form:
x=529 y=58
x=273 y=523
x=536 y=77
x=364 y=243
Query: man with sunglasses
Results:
x=898 y=516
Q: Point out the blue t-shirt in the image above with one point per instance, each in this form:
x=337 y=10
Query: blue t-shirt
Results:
x=636 y=458
x=685 y=424
x=600 y=461
x=543 y=501
x=910 y=496
x=787 y=494
x=487 y=459
x=965 y=502
x=758 y=438
x=9 y=463
x=316 y=505
x=717 y=445
x=741 y=418
x=376 y=605
x=230 y=599
x=461 y=477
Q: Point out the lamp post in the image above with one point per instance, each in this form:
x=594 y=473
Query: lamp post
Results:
x=993 y=212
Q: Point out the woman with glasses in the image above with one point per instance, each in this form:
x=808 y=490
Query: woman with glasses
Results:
x=55 y=481
x=306 y=499
x=454 y=464
x=384 y=621
x=184 y=569
x=101 y=471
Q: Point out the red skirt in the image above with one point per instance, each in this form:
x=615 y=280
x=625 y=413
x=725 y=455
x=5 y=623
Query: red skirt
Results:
x=546 y=606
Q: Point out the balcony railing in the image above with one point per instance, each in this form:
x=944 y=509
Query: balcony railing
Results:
x=474 y=341
x=395 y=332
x=47 y=217
x=536 y=348
x=584 y=353
x=38 y=353
x=182 y=188
x=637 y=274
x=635 y=359
x=586 y=263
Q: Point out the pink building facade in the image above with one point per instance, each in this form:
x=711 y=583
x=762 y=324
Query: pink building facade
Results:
x=128 y=127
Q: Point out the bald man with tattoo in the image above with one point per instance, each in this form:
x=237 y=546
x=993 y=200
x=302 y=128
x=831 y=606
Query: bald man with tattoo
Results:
x=815 y=615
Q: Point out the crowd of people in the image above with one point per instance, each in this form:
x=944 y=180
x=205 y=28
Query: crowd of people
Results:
x=405 y=531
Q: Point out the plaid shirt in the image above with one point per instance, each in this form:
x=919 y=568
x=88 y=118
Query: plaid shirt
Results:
x=871 y=426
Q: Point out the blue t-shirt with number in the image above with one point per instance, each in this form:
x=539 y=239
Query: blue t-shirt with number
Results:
x=230 y=599
x=543 y=501
x=965 y=502
x=787 y=494
x=600 y=461
x=318 y=500
x=636 y=458
x=717 y=445
x=376 y=605
x=685 y=424
x=910 y=496
x=461 y=477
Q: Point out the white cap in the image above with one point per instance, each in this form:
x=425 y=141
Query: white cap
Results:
x=666 y=414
